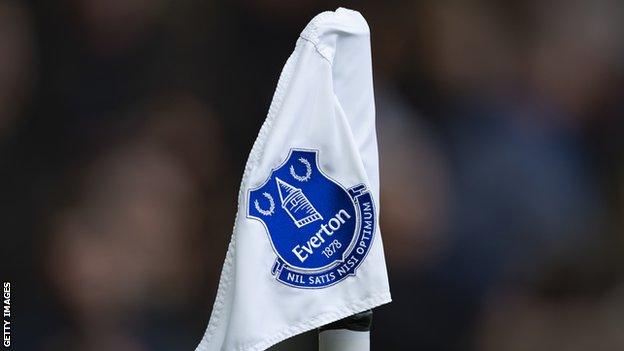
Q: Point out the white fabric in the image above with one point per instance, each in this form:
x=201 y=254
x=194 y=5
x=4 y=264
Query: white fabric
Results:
x=323 y=101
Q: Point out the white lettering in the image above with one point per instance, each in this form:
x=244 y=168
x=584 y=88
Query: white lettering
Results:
x=303 y=251
x=314 y=241
x=324 y=229
x=6 y=313
x=297 y=251
x=334 y=224
x=342 y=213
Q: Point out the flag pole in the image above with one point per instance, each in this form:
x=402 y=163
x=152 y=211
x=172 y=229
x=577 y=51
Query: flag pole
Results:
x=348 y=334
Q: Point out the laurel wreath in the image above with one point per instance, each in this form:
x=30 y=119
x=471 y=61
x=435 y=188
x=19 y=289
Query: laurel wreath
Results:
x=308 y=174
x=271 y=205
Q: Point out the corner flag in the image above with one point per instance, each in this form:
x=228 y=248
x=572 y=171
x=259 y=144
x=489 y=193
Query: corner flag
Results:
x=306 y=248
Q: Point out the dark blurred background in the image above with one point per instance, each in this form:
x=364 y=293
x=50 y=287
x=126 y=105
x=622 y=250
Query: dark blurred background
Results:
x=125 y=126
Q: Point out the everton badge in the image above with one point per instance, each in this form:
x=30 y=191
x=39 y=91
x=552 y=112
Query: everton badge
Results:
x=320 y=231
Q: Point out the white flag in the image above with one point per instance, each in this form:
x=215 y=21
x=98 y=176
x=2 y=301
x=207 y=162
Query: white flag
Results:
x=306 y=248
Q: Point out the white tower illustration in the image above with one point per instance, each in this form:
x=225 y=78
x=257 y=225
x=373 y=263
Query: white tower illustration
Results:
x=296 y=204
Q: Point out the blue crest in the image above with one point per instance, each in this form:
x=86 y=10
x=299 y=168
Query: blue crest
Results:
x=319 y=230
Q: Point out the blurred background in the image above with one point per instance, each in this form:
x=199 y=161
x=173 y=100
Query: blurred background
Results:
x=125 y=126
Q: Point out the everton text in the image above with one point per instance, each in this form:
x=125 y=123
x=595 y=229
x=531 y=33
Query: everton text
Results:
x=317 y=239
